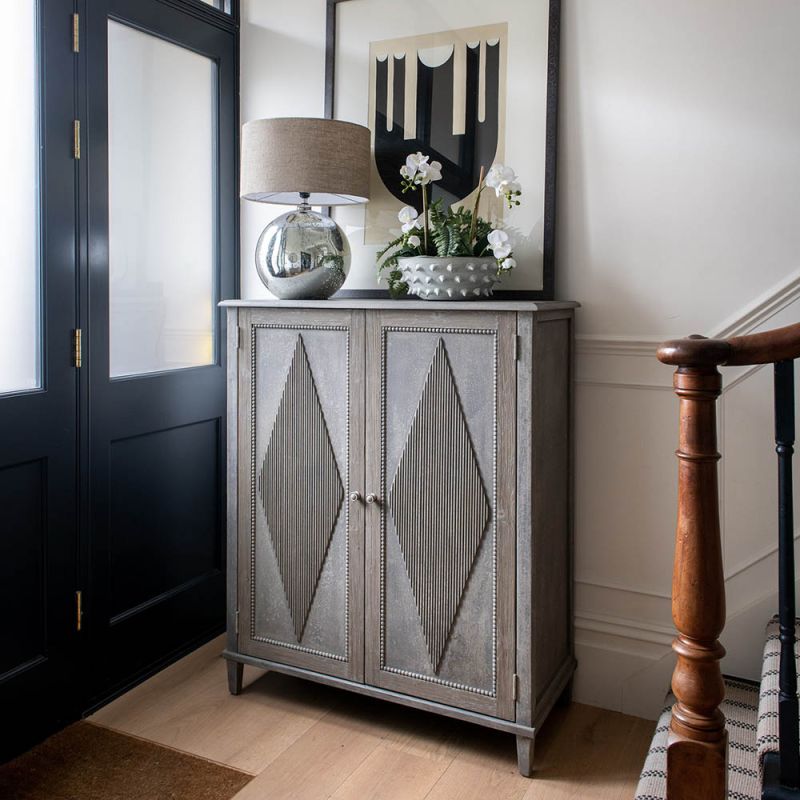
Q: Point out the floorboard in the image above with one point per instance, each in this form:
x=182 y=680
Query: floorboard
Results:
x=304 y=741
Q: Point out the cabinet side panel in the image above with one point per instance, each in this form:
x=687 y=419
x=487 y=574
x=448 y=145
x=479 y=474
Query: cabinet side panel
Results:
x=524 y=538
x=232 y=553
x=552 y=546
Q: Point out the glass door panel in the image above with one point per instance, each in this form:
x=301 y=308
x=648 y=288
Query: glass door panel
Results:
x=162 y=134
x=20 y=359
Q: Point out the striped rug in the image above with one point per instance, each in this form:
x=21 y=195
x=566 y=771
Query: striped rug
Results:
x=740 y=708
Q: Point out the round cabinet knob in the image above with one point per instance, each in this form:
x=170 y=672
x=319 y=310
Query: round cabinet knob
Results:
x=355 y=497
x=372 y=498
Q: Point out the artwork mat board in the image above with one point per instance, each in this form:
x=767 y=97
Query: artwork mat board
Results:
x=531 y=126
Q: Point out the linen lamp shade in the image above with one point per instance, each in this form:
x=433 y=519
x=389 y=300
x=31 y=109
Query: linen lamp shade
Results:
x=327 y=160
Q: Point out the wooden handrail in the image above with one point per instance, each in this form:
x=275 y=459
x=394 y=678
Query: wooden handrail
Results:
x=781 y=344
x=697 y=750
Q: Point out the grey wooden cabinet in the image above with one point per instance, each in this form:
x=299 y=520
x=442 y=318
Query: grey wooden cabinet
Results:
x=400 y=502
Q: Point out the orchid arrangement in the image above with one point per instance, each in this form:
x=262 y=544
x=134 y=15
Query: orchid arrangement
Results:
x=448 y=232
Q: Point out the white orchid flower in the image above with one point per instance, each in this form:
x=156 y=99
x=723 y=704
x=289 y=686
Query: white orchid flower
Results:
x=407 y=214
x=414 y=241
x=419 y=170
x=499 y=244
x=428 y=173
x=503 y=180
x=415 y=161
x=411 y=221
x=498 y=238
x=509 y=263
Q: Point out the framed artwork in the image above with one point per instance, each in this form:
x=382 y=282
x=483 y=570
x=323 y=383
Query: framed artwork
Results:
x=470 y=84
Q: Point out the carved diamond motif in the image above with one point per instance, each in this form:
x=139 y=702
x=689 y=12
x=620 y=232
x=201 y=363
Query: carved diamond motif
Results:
x=439 y=505
x=300 y=488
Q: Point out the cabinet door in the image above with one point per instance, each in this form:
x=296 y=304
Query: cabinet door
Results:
x=440 y=535
x=300 y=544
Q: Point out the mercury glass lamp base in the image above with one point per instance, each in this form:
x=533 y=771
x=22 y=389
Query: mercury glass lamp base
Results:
x=303 y=255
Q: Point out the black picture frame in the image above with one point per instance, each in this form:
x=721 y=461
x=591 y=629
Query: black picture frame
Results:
x=547 y=292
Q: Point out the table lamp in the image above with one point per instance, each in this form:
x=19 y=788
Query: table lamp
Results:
x=310 y=162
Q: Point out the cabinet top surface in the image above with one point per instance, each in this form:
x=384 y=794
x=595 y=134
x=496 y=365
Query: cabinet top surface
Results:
x=409 y=305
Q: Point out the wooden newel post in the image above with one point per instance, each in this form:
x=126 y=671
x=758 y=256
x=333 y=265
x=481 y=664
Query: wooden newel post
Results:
x=698 y=742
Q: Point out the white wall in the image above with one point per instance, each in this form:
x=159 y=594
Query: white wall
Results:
x=282 y=75
x=679 y=193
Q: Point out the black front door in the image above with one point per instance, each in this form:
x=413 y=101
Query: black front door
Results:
x=118 y=220
x=161 y=143
x=38 y=384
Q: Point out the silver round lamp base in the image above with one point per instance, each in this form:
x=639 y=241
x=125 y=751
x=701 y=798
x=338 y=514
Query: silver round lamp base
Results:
x=303 y=256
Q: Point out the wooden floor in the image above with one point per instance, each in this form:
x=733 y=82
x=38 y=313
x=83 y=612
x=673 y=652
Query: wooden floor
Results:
x=307 y=742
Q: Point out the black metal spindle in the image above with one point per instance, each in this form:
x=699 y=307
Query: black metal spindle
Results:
x=788 y=705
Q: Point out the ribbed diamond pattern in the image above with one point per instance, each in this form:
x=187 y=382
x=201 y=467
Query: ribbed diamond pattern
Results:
x=439 y=506
x=300 y=488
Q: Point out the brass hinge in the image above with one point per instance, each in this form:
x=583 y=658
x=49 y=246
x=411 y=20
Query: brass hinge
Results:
x=77 y=352
x=76 y=33
x=236 y=622
x=76 y=139
x=515 y=687
x=78 y=610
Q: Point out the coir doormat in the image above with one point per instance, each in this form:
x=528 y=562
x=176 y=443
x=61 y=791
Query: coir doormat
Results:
x=88 y=762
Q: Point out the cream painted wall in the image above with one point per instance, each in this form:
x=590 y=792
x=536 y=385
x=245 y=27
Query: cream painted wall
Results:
x=679 y=193
x=282 y=75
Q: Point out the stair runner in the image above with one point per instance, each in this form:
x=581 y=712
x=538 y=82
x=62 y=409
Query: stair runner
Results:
x=751 y=714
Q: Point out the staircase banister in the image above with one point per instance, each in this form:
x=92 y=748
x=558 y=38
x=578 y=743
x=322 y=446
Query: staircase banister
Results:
x=697 y=744
x=780 y=344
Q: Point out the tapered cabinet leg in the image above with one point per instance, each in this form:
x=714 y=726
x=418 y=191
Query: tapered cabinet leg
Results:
x=525 y=755
x=235 y=675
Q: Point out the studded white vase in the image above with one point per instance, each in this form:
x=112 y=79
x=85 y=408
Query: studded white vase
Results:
x=454 y=278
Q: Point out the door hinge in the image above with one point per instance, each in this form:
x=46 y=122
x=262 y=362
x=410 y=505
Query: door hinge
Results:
x=239 y=338
x=517 y=347
x=77 y=351
x=76 y=139
x=78 y=610
x=76 y=33
x=236 y=622
x=515 y=687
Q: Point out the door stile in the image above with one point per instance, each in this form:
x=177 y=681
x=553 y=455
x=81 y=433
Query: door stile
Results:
x=357 y=467
x=374 y=483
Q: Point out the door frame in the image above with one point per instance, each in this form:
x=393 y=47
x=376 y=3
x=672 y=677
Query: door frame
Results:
x=39 y=425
